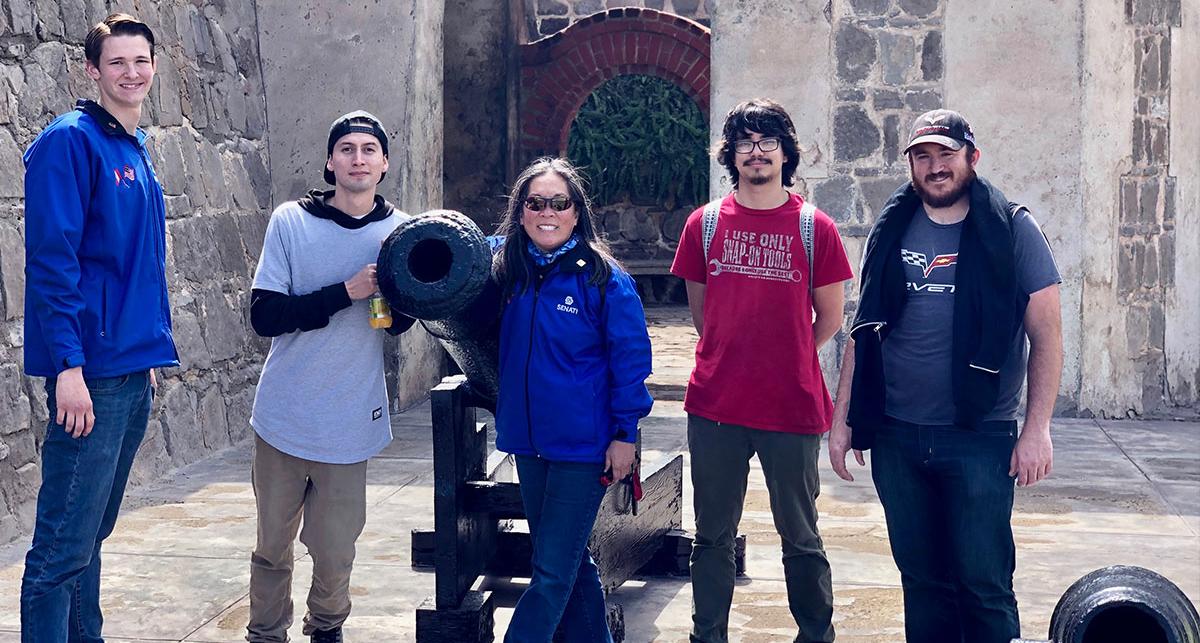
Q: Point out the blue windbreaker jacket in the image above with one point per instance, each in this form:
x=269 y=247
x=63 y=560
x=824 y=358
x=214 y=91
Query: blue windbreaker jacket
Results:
x=572 y=368
x=95 y=250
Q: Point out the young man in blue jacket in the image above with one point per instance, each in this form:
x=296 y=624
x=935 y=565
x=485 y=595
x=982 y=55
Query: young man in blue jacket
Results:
x=97 y=321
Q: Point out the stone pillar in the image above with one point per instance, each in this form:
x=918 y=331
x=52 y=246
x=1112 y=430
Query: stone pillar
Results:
x=1182 y=299
x=206 y=126
x=778 y=50
x=1139 y=240
x=1011 y=72
x=1146 y=232
x=475 y=122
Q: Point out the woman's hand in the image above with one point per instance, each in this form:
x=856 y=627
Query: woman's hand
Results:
x=619 y=458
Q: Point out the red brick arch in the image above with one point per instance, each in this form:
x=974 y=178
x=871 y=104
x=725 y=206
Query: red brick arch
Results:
x=559 y=72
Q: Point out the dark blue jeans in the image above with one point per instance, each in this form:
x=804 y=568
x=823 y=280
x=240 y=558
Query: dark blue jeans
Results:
x=83 y=481
x=561 y=501
x=948 y=500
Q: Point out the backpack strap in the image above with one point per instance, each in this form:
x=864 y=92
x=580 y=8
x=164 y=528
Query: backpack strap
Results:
x=711 y=210
x=808 y=214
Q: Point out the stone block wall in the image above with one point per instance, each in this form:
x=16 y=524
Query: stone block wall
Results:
x=887 y=70
x=1147 y=207
x=548 y=17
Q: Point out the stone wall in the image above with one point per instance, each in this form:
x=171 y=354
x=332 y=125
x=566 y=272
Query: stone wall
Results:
x=476 y=118
x=209 y=124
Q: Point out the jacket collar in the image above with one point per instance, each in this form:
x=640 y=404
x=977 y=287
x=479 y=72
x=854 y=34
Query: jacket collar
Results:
x=105 y=119
x=575 y=260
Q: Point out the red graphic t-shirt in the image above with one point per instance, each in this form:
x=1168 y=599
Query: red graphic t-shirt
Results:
x=756 y=365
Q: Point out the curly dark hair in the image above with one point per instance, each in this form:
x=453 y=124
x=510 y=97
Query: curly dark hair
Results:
x=512 y=266
x=766 y=117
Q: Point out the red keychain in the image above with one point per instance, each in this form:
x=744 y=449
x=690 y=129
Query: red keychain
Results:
x=634 y=480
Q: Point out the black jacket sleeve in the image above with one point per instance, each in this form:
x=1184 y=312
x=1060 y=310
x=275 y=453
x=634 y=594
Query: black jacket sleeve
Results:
x=273 y=314
x=400 y=323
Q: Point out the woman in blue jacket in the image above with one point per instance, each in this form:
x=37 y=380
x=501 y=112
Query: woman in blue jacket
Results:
x=574 y=357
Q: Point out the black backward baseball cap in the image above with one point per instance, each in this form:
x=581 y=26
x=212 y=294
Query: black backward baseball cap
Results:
x=356 y=121
x=942 y=126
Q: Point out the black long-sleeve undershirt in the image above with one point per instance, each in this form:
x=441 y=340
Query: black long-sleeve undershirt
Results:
x=273 y=314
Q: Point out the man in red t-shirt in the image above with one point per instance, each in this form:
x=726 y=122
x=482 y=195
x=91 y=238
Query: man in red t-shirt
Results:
x=757 y=386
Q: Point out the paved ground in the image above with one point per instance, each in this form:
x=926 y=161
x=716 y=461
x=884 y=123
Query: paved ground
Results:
x=177 y=566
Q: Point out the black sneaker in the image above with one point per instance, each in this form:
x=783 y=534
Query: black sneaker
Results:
x=326 y=636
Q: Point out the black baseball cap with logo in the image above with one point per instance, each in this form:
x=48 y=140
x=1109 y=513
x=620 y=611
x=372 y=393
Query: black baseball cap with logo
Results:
x=942 y=126
x=356 y=121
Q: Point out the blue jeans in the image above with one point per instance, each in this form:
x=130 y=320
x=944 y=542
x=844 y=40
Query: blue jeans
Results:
x=83 y=481
x=948 y=500
x=561 y=501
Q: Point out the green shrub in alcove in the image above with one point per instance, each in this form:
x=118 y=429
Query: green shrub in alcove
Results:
x=642 y=138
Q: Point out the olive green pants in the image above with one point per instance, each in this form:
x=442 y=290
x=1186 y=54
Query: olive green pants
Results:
x=720 y=464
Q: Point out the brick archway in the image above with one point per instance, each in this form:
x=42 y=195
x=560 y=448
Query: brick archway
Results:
x=559 y=72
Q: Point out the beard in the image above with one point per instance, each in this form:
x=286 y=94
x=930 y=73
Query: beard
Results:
x=758 y=179
x=953 y=193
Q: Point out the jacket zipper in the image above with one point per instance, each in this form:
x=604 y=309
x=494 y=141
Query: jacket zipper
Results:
x=103 y=308
x=877 y=324
x=537 y=289
x=160 y=265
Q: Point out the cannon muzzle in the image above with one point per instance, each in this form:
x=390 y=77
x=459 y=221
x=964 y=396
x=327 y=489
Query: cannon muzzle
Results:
x=1123 y=604
x=437 y=268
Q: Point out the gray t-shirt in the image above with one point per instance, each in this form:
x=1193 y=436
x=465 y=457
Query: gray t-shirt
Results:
x=917 y=352
x=322 y=396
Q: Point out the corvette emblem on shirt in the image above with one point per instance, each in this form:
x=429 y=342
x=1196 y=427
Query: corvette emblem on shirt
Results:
x=918 y=259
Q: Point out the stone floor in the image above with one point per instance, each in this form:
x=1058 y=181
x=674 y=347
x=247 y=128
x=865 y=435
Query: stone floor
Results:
x=176 y=568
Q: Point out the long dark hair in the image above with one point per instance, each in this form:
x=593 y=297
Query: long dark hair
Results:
x=768 y=118
x=513 y=267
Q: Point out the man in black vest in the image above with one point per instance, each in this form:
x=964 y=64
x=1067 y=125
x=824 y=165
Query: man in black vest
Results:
x=954 y=279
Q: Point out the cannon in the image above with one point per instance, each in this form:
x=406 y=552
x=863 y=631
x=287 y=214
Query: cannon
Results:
x=437 y=268
x=1122 y=604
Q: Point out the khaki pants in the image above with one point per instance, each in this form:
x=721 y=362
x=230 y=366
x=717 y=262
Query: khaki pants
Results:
x=332 y=498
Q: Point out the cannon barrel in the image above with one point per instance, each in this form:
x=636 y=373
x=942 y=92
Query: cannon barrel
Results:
x=437 y=268
x=1123 y=604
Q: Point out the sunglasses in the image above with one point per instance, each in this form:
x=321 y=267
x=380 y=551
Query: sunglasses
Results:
x=559 y=203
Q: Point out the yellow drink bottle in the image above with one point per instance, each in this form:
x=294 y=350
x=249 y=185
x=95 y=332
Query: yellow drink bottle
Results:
x=381 y=313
